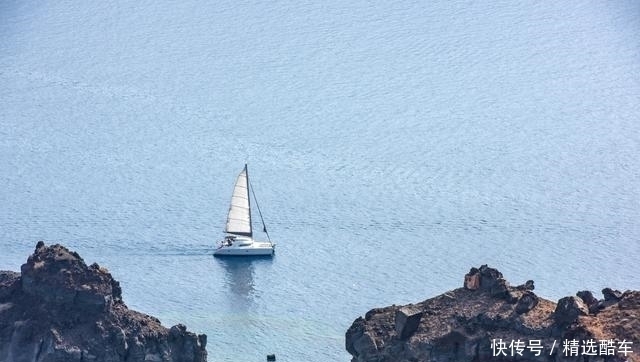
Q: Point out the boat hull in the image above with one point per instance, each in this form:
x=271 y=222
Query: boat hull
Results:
x=253 y=249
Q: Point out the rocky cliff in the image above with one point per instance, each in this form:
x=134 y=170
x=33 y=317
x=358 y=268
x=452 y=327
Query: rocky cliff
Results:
x=489 y=320
x=59 y=309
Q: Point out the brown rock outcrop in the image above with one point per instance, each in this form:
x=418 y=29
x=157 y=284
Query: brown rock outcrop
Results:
x=59 y=309
x=488 y=320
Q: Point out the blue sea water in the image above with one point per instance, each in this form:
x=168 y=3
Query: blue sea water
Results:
x=392 y=146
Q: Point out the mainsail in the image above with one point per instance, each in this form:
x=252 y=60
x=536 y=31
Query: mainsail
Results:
x=239 y=217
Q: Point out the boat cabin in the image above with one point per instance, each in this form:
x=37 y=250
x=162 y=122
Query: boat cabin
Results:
x=229 y=239
x=236 y=240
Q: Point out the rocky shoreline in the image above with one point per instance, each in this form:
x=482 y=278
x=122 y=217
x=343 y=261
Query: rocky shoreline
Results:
x=59 y=309
x=489 y=320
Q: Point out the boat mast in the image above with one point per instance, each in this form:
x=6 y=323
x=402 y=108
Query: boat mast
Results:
x=246 y=172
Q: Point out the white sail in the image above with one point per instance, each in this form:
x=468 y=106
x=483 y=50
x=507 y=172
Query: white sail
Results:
x=239 y=217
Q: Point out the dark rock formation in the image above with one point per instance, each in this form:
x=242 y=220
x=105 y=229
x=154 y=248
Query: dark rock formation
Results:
x=527 y=302
x=589 y=300
x=59 y=309
x=568 y=310
x=407 y=321
x=488 y=320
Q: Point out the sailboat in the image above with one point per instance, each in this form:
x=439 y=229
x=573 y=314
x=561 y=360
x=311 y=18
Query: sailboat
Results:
x=238 y=240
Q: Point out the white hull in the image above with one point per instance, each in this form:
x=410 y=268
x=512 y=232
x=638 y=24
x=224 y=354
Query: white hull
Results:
x=245 y=247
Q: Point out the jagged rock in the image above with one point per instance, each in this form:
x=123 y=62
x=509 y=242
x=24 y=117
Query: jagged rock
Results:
x=460 y=325
x=407 y=321
x=472 y=281
x=61 y=278
x=491 y=278
x=527 y=302
x=611 y=295
x=59 y=309
x=529 y=285
x=485 y=278
x=587 y=297
x=353 y=334
x=360 y=341
x=569 y=309
x=589 y=300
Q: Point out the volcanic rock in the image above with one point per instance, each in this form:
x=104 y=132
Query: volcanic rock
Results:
x=407 y=321
x=488 y=320
x=59 y=309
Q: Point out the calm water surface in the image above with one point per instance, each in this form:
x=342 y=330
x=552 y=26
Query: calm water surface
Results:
x=392 y=147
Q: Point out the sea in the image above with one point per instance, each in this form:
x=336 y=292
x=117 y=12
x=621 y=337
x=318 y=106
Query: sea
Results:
x=391 y=146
